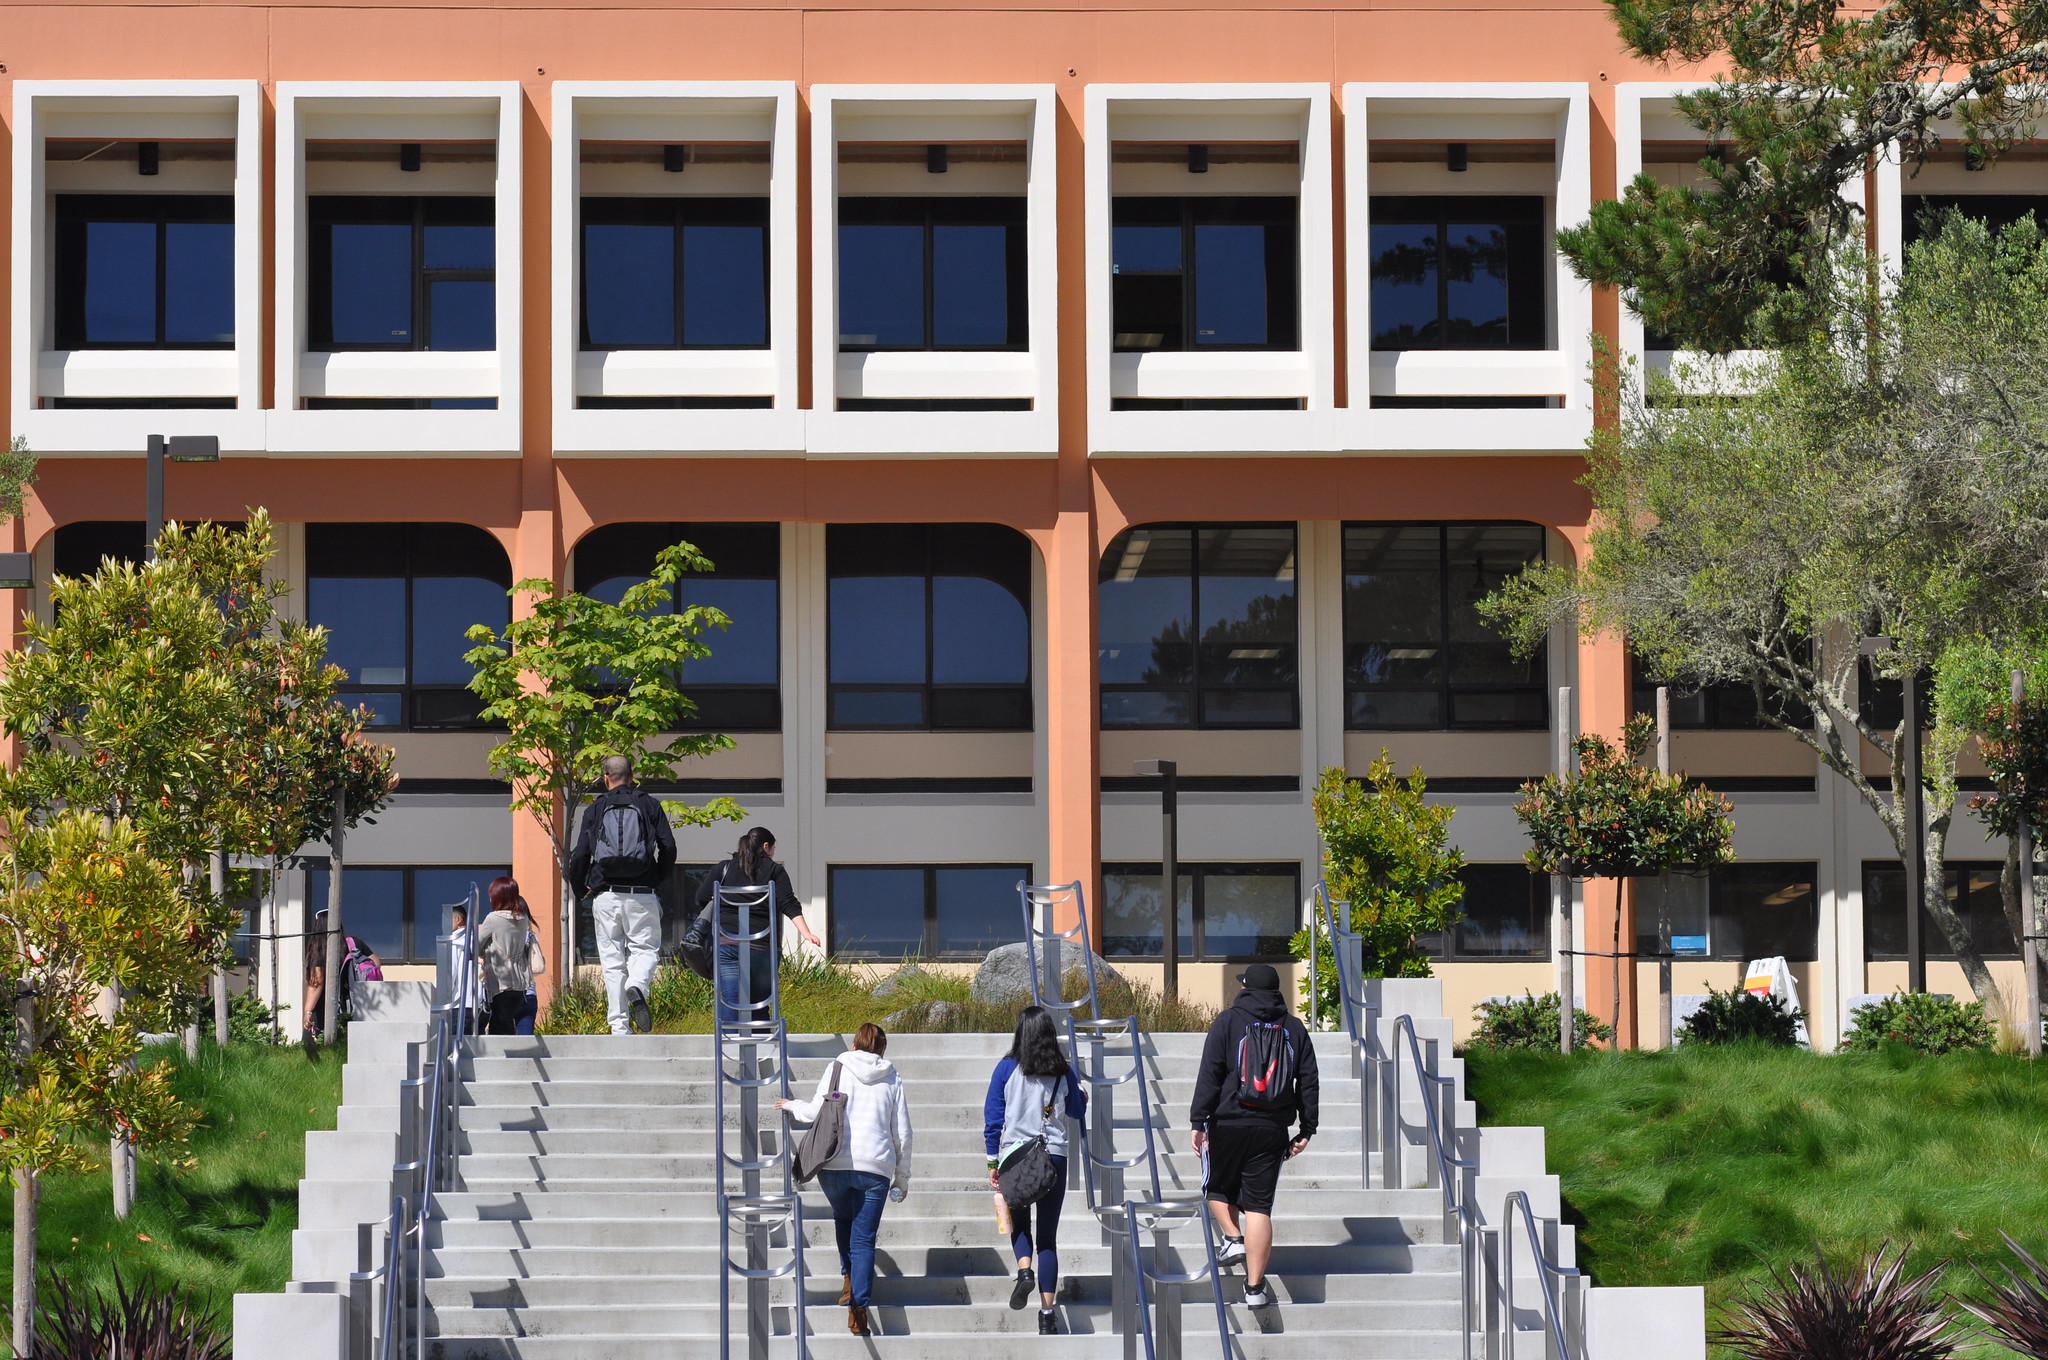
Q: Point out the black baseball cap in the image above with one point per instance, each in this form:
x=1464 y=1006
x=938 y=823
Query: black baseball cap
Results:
x=1260 y=977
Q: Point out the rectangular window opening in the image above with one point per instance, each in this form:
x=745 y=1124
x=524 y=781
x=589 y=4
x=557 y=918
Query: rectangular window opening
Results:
x=931 y=273
x=402 y=273
x=144 y=271
x=933 y=911
x=1225 y=913
x=1205 y=273
x=1458 y=272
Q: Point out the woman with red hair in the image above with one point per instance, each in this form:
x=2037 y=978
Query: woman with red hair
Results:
x=509 y=953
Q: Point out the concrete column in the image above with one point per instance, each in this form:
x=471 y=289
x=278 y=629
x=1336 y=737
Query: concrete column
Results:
x=1602 y=695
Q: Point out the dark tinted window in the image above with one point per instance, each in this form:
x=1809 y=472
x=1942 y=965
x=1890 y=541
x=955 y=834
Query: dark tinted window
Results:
x=1734 y=912
x=942 y=911
x=1196 y=626
x=1456 y=272
x=1416 y=652
x=402 y=273
x=398 y=913
x=1205 y=273
x=396 y=600
x=932 y=273
x=1994 y=210
x=1505 y=914
x=1973 y=890
x=1709 y=707
x=1225 y=912
x=736 y=688
x=668 y=273
x=144 y=271
x=929 y=626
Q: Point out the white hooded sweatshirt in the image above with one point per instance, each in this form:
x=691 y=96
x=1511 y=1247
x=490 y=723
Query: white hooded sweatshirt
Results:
x=877 y=1117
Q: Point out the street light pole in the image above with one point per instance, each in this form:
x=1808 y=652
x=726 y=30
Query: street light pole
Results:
x=1169 y=866
x=178 y=448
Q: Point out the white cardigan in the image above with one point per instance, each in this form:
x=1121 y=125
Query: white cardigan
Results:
x=877 y=1117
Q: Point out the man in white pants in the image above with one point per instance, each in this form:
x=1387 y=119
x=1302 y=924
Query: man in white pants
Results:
x=623 y=850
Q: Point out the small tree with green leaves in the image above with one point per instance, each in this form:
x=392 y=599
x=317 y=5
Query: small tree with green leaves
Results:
x=576 y=679
x=1387 y=858
x=85 y=911
x=1615 y=817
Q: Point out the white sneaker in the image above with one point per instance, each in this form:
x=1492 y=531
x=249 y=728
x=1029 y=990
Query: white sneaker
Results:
x=1261 y=1297
x=1231 y=1253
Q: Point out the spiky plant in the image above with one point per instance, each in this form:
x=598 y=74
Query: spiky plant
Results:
x=149 y=1322
x=2016 y=1313
x=1867 y=1311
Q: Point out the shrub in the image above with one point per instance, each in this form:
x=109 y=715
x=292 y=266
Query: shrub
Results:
x=1531 y=1023
x=2016 y=1313
x=1738 y=1017
x=149 y=1322
x=249 y=1020
x=1921 y=1021
x=1866 y=1312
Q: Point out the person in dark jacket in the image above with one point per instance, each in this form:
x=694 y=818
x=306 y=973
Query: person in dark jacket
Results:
x=752 y=865
x=623 y=906
x=1242 y=1148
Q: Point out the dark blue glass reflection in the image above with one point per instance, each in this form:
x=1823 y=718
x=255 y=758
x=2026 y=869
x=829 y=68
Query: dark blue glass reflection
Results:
x=461 y=246
x=1230 y=284
x=745 y=653
x=365 y=621
x=881 y=285
x=443 y=609
x=372 y=907
x=975 y=909
x=120 y=282
x=970 y=286
x=981 y=633
x=462 y=314
x=878 y=913
x=1146 y=250
x=725 y=300
x=629 y=284
x=877 y=630
x=371 y=283
x=1404 y=278
x=199 y=283
x=1476 y=284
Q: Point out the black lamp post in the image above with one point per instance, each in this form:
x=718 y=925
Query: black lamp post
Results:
x=1907 y=762
x=1169 y=866
x=178 y=448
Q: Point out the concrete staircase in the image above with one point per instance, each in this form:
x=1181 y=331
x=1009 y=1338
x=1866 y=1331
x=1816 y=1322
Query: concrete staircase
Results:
x=583 y=1222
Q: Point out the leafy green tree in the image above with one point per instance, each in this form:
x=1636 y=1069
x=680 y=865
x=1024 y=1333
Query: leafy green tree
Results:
x=1614 y=817
x=576 y=679
x=1387 y=856
x=87 y=910
x=1888 y=476
x=1811 y=95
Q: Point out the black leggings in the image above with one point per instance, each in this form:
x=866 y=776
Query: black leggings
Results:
x=1048 y=1240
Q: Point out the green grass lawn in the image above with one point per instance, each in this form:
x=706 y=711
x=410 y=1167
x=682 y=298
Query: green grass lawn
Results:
x=1715 y=1166
x=224 y=1226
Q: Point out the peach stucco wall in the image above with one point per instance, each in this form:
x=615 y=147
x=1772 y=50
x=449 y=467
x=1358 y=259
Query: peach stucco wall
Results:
x=539 y=507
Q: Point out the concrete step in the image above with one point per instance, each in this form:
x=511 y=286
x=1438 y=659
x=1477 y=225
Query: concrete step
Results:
x=828 y=1346
x=507 y=1176
x=973 y=1205
x=958 y=1141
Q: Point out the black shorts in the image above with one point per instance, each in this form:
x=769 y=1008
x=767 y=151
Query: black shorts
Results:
x=1242 y=1167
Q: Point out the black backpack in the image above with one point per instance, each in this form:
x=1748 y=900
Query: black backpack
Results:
x=1266 y=1066
x=624 y=852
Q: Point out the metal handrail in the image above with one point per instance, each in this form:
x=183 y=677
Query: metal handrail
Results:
x=1444 y=1166
x=1549 y=1275
x=1361 y=1022
x=1157 y=1212
x=1100 y=1112
x=1046 y=897
x=754 y=1023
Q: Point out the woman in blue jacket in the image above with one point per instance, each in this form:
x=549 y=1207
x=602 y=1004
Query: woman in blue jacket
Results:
x=1027 y=1096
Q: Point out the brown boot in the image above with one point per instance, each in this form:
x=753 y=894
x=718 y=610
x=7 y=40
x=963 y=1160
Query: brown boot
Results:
x=857 y=1322
x=846 y=1291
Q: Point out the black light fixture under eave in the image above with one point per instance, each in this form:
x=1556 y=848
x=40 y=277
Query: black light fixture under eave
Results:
x=674 y=158
x=1198 y=158
x=1456 y=157
x=935 y=159
x=409 y=157
x=148 y=155
x=17 y=571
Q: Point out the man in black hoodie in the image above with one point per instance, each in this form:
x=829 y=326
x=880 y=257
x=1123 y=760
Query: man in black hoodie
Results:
x=1243 y=1145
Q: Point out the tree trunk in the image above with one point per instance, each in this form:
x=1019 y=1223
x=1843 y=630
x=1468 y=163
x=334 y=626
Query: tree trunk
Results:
x=1952 y=927
x=330 y=997
x=217 y=879
x=25 y=1196
x=120 y=1152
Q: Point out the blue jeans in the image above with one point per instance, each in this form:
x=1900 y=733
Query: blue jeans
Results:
x=857 y=1199
x=731 y=1004
x=1048 y=1212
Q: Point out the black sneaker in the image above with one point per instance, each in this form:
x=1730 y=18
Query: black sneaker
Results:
x=1048 y=1322
x=1027 y=1285
x=638 y=1013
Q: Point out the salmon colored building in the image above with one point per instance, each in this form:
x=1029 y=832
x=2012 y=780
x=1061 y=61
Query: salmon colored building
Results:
x=1055 y=387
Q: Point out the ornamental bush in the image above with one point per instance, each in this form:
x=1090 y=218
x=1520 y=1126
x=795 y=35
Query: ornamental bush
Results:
x=1739 y=1017
x=1530 y=1023
x=1920 y=1021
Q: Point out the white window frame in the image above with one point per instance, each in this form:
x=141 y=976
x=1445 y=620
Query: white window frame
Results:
x=935 y=113
x=137 y=110
x=396 y=111
x=1471 y=112
x=681 y=112
x=1217 y=113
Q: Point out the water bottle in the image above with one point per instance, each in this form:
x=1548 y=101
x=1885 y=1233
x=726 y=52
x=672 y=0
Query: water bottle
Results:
x=895 y=1194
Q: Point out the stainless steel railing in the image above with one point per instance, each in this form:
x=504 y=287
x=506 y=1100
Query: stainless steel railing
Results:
x=1560 y=1289
x=1045 y=943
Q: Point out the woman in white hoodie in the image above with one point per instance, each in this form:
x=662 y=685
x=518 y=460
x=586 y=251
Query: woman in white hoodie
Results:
x=873 y=1157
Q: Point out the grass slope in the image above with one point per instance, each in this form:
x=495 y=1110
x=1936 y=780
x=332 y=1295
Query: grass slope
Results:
x=1716 y=1166
x=224 y=1226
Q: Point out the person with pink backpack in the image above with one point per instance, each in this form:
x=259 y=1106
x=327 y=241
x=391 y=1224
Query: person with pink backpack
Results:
x=359 y=963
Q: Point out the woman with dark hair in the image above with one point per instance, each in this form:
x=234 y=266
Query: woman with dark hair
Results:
x=752 y=865
x=872 y=1166
x=1031 y=1089
x=506 y=951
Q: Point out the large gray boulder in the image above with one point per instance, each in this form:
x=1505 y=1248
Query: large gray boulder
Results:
x=1005 y=975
